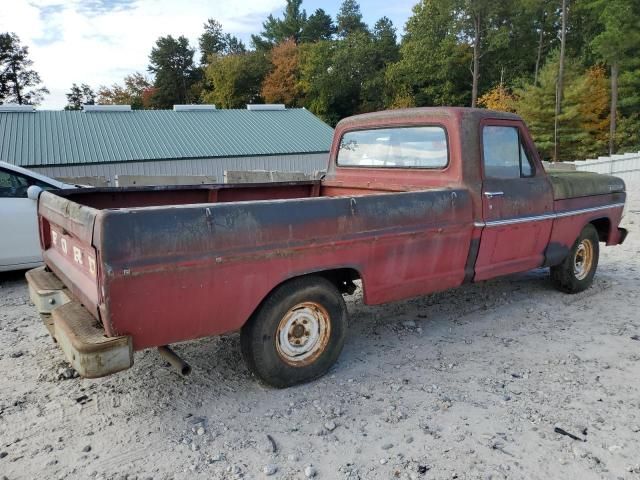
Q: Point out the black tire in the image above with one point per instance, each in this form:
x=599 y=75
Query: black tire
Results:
x=568 y=277
x=289 y=315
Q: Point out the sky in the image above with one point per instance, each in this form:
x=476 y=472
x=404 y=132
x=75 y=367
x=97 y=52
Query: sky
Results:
x=98 y=42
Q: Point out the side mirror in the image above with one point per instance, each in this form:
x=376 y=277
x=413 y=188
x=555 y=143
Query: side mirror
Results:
x=33 y=192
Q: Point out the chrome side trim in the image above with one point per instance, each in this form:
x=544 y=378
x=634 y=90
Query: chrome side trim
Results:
x=569 y=213
x=509 y=221
x=549 y=216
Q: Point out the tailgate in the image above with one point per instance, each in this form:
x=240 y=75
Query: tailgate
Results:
x=66 y=234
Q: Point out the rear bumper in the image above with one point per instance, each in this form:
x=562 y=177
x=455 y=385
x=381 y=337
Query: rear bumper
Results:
x=82 y=339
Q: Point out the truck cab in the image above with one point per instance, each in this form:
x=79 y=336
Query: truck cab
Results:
x=520 y=212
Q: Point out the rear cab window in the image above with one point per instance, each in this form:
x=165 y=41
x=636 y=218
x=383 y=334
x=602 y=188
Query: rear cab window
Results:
x=398 y=147
x=504 y=153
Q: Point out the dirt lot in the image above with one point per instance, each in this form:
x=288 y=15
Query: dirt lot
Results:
x=465 y=384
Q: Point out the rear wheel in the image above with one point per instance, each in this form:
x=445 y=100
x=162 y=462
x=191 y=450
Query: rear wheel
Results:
x=576 y=272
x=297 y=334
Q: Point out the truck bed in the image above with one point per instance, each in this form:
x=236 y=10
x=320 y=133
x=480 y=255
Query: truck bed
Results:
x=169 y=264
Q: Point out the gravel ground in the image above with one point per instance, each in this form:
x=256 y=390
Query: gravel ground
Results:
x=468 y=383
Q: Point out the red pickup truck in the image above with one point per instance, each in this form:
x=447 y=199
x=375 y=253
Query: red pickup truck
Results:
x=414 y=201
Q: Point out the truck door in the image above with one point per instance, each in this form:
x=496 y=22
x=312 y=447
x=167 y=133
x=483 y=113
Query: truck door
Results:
x=517 y=202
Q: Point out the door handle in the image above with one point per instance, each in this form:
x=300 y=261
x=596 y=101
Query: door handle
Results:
x=493 y=194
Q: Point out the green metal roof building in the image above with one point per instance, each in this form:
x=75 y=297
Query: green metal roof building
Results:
x=105 y=141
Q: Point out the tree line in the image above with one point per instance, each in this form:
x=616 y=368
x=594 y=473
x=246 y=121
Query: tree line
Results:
x=569 y=67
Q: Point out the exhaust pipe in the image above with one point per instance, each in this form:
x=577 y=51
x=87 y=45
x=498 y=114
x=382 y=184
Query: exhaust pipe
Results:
x=176 y=362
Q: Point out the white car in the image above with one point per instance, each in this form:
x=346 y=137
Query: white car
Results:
x=20 y=241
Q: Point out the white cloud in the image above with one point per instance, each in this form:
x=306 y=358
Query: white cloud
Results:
x=99 y=42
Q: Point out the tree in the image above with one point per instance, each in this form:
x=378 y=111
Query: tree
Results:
x=498 y=99
x=319 y=26
x=349 y=19
x=233 y=45
x=477 y=10
x=384 y=51
x=276 y=30
x=488 y=25
x=235 y=79
x=592 y=116
x=540 y=15
x=536 y=104
x=560 y=82
x=432 y=69
x=171 y=61
x=510 y=43
x=386 y=41
x=79 y=96
x=338 y=78
x=18 y=82
x=617 y=44
x=136 y=91
x=282 y=84
x=211 y=40
x=582 y=125
x=214 y=41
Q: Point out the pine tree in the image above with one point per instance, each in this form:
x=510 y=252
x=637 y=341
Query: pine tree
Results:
x=349 y=19
x=171 y=61
x=617 y=44
x=276 y=30
x=19 y=83
x=214 y=41
x=79 y=96
x=319 y=26
x=583 y=122
x=211 y=41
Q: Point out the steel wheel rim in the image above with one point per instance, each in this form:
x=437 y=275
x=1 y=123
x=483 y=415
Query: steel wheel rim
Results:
x=303 y=334
x=583 y=259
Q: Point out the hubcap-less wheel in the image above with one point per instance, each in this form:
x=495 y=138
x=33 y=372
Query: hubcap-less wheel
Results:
x=583 y=259
x=303 y=334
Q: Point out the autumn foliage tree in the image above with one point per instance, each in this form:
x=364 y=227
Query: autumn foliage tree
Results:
x=583 y=125
x=590 y=119
x=282 y=84
x=499 y=98
x=136 y=91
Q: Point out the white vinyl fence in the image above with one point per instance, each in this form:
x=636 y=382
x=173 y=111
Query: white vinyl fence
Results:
x=625 y=166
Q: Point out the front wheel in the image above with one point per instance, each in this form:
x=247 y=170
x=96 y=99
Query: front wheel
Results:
x=577 y=270
x=297 y=334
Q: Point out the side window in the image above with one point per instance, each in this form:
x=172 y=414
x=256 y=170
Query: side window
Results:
x=15 y=185
x=12 y=185
x=525 y=164
x=504 y=153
